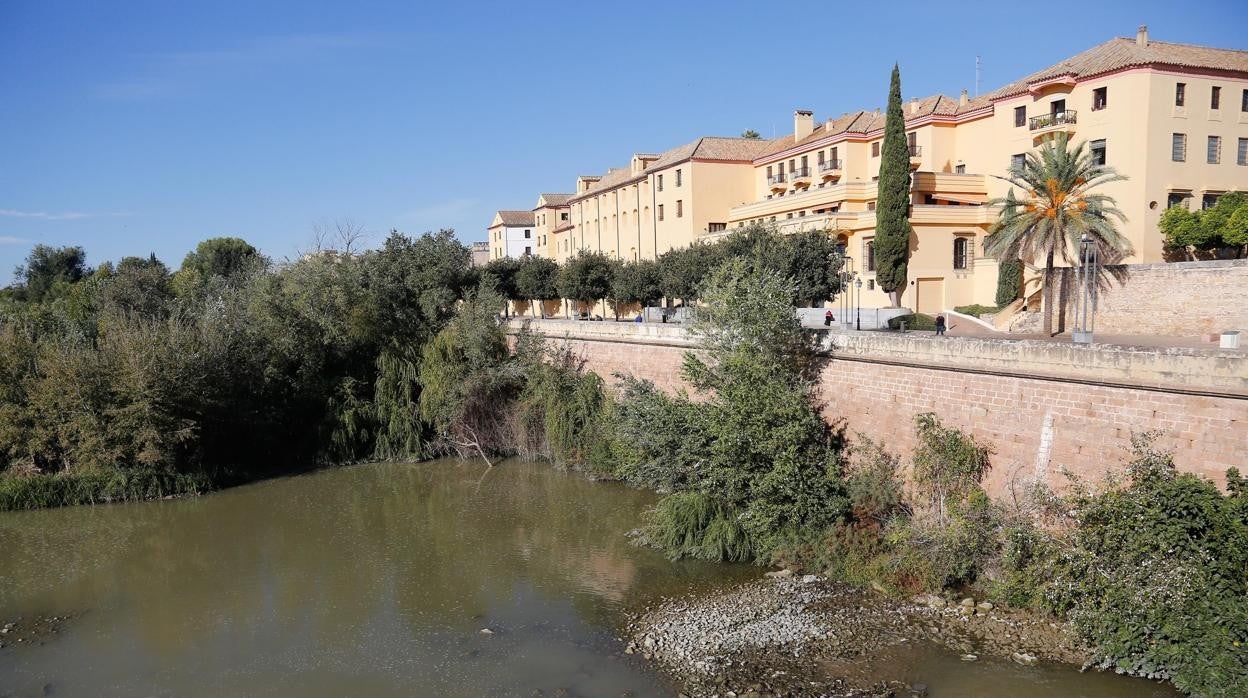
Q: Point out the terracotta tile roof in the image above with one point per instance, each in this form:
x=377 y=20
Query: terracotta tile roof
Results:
x=707 y=147
x=562 y=228
x=1121 y=53
x=513 y=219
x=555 y=199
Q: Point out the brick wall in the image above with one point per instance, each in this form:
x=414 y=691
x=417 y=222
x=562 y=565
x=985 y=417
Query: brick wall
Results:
x=1036 y=426
x=1176 y=298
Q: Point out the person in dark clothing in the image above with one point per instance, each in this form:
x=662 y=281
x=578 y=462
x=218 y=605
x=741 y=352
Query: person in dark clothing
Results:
x=940 y=325
x=827 y=319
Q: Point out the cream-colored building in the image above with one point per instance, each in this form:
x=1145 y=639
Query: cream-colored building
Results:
x=550 y=214
x=512 y=234
x=1171 y=117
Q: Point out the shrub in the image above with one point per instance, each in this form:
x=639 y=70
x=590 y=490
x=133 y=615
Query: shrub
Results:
x=914 y=321
x=1009 y=282
x=976 y=310
x=41 y=491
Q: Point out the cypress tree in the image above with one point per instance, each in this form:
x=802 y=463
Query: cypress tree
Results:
x=892 y=226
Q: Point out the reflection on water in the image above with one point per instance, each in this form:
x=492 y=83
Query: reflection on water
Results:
x=372 y=580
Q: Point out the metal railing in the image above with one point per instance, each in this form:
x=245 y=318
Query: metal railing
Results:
x=1055 y=119
x=776 y=179
x=915 y=150
x=829 y=165
x=799 y=173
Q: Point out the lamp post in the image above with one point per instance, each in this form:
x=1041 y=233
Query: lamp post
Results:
x=858 y=306
x=1086 y=304
x=847 y=289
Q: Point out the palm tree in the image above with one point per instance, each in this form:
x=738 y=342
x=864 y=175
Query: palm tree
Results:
x=1058 y=207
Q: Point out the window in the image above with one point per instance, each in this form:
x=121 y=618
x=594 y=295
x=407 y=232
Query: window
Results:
x=1241 y=156
x=1020 y=116
x=819 y=157
x=1208 y=201
x=527 y=234
x=870 y=205
x=1213 y=152
x=1178 y=147
x=1098 y=152
x=1180 y=93
x=528 y=251
x=1243 y=101
x=1017 y=161
x=1100 y=98
x=834 y=158
x=660 y=211
x=870 y=284
x=788 y=215
x=680 y=208
x=678 y=178
x=1175 y=199
x=875 y=149
x=870 y=255
x=1215 y=97
x=960 y=249
x=960 y=169
x=660 y=184
x=717 y=227
x=563 y=216
x=912 y=139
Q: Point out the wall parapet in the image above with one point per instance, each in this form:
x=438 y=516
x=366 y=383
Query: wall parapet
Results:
x=1187 y=370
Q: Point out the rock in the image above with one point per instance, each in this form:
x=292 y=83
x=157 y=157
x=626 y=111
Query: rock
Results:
x=918 y=689
x=780 y=574
x=878 y=587
x=4 y=631
x=984 y=606
x=966 y=610
x=486 y=631
x=969 y=657
x=1024 y=658
x=809 y=579
x=968 y=601
x=648 y=643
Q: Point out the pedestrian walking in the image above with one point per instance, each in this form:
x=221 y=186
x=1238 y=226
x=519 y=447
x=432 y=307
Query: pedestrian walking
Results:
x=827 y=319
x=940 y=325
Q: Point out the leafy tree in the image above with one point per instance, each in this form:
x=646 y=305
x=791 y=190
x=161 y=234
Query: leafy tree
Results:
x=1060 y=205
x=1009 y=281
x=586 y=278
x=636 y=283
x=502 y=273
x=892 y=210
x=223 y=256
x=49 y=270
x=139 y=285
x=682 y=270
x=814 y=266
x=750 y=134
x=537 y=279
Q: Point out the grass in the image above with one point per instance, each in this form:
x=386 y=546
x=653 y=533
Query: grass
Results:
x=914 y=321
x=42 y=491
x=976 y=310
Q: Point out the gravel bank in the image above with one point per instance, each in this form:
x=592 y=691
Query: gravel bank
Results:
x=795 y=636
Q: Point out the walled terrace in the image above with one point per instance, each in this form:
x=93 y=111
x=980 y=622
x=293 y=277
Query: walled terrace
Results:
x=1044 y=407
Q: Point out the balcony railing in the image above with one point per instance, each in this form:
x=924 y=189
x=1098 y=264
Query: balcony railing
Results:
x=915 y=150
x=829 y=165
x=800 y=173
x=1060 y=118
x=776 y=179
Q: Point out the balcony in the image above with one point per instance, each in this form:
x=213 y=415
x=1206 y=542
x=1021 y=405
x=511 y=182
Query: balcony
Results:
x=916 y=155
x=831 y=169
x=777 y=181
x=800 y=177
x=1045 y=124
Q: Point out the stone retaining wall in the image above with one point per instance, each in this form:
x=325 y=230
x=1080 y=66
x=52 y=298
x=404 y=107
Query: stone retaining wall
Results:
x=1039 y=405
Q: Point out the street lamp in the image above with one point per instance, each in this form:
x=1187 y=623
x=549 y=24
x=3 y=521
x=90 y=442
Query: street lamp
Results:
x=1086 y=304
x=858 y=306
x=847 y=276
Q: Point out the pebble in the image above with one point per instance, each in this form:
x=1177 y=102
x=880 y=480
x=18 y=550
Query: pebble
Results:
x=780 y=574
x=969 y=657
x=486 y=631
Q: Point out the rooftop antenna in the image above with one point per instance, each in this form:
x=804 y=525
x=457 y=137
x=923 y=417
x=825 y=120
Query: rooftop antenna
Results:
x=977 y=71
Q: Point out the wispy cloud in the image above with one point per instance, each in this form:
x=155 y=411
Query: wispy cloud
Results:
x=168 y=73
x=61 y=216
x=442 y=213
x=10 y=240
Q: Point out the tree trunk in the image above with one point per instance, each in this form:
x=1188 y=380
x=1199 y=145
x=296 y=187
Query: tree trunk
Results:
x=1048 y=295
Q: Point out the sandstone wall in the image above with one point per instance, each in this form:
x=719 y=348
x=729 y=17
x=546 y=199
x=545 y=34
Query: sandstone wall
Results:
x=1177 y=298
x=1039 y=411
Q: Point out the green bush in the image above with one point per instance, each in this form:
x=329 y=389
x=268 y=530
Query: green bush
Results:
x=1009 y=282
x=976 y=310
x=914 y=321
x=41 y=491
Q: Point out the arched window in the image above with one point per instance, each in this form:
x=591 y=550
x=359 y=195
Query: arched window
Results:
x=870 y=255
x=961 y=252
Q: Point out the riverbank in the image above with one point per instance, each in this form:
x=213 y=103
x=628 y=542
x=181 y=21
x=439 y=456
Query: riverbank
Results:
x=804 y=635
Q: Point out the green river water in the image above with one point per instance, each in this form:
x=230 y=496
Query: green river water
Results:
x=377 y=580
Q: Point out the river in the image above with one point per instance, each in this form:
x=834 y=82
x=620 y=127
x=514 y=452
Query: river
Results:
x=376 y=580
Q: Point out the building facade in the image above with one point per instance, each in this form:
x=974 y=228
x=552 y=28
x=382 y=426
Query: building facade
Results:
x=1171 y=117
x=511 y=234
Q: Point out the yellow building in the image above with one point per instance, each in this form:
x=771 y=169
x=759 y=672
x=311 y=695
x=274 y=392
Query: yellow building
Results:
x=1171 y=117
x=550 y=214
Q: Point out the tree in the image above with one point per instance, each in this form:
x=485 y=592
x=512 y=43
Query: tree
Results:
x=1009 y=281
x=750 y=134
x=221 y=257
x=586 y=278
x=1060 y=205
x=48 y=269
x=814 y=266
x=502 y=273
x=537 y=279
x=682 y=270
x=636 y=282
x=139 y=285
x=892 y=210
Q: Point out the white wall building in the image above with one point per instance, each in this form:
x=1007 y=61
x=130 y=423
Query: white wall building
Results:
x=512 y=234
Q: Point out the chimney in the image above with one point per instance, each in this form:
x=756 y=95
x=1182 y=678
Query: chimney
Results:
x=962 y=99
x=914 y=105
x=803 y=124
x=1141 y=35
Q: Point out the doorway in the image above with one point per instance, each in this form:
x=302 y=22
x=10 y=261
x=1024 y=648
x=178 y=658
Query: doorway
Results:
x=929 y=296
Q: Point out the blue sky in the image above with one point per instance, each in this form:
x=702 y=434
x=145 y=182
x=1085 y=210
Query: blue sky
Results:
x=136 y=127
